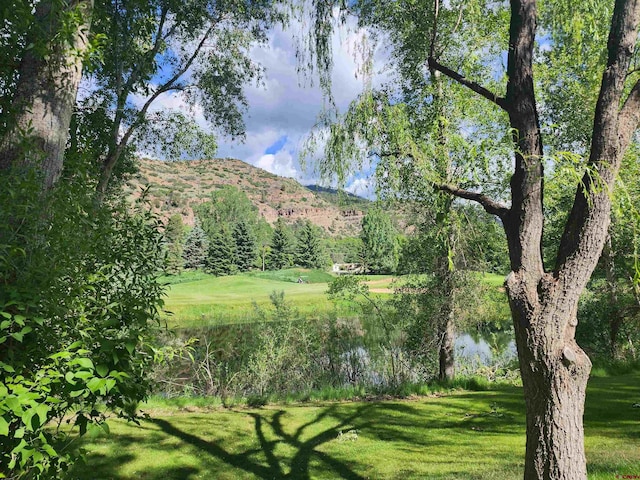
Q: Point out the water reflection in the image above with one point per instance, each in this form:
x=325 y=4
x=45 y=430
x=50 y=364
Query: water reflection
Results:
x=477 y=350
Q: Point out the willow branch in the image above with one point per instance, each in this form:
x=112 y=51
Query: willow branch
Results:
x=476 y=87
x=490 y=205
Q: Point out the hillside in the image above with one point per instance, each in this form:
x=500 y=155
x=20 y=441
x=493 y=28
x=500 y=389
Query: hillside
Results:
x=177 y=187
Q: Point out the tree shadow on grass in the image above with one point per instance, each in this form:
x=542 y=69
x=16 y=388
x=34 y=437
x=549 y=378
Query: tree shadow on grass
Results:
x=275 y=465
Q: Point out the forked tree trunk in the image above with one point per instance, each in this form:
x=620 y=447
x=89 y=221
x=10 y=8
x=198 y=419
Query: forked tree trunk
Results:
x=544 y=304
x=46 y=92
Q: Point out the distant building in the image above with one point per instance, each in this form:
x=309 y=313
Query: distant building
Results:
x=347 y=268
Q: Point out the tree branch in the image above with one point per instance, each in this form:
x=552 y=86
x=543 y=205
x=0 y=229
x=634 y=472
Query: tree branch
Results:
x=586 y=228
x=630 y=116
x=490 y=205
x=477 y=88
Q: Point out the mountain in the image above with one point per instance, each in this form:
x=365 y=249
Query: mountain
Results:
x=177 y=187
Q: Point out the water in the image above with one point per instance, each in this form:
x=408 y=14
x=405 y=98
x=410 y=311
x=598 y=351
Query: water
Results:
x=485 y=350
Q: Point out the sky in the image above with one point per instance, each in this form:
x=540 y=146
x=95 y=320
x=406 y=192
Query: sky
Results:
x=285 y=108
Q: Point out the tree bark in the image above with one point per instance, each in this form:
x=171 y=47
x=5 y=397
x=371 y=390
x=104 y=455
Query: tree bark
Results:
x=447 y=370
x=45 y=94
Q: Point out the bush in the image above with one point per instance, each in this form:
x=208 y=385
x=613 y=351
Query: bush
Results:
x=78 y=310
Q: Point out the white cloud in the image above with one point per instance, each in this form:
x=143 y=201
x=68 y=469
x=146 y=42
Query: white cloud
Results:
x=363 y=187
x=281 y=163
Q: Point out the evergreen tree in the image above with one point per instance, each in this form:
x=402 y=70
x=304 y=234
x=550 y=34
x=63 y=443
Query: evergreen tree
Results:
x=196 y=246
x=174 y=241
x=221 y=254
x=309 y=251
x=245 y=246
x=281 y=255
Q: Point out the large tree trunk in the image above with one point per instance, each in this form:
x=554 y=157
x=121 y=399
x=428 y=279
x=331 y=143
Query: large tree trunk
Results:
x=544 y=305
x=554 y=374
x=46 y=92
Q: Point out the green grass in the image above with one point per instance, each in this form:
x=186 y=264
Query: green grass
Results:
x=464 y=435
x=195 y=299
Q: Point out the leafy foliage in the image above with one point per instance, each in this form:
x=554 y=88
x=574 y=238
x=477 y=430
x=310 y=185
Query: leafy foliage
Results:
x=78 y=306
x=221 y=254
x=174 y=240
x=245 y=246
x=379 y=242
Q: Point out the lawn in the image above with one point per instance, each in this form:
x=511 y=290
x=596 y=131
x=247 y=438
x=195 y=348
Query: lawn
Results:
x=210 y=300
x=463 y=435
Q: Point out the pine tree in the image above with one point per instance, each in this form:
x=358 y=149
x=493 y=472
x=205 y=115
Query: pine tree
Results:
x=309 y=251
x=245 y=246
x=174 y=240
x=195 y=248
x=281 y=255
x=221 y=254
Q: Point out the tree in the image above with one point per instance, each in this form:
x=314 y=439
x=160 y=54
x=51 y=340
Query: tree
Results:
x=309 y=251
x=221 y=255
x=227 y=206
x=245 y=246
x=196 y=246
x=44 y=92
x=196 y=50
x=174 y=237
x=379 y=242
x=543 y=302
x=79 y=302
x=281 y=252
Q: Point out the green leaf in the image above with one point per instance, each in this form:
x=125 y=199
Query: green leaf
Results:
x=4 y=427
x=96 y=384
x=42 y=410
x=83 y=362
x=110 y=383
x=18 y=336
x=69 y=376
x=102 y=370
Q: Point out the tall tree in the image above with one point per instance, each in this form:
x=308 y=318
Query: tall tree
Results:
x=309 y=251
x=197 y=51
x=35 y=126
x=245 y=246
x=281 y=252
x=543 y=302
x=174 y=238
x=196 y=246
x=227 y=206
x=379 y=242
x=221 y=255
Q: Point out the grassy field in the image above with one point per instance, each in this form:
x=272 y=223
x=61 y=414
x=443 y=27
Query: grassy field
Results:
x=198 y=299
x=463 y=435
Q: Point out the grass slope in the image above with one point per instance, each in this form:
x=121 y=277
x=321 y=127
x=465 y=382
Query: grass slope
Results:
x=210 y=300
x=465 y=435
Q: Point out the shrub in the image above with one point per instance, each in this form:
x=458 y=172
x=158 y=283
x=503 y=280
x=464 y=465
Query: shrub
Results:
x=78 y=309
